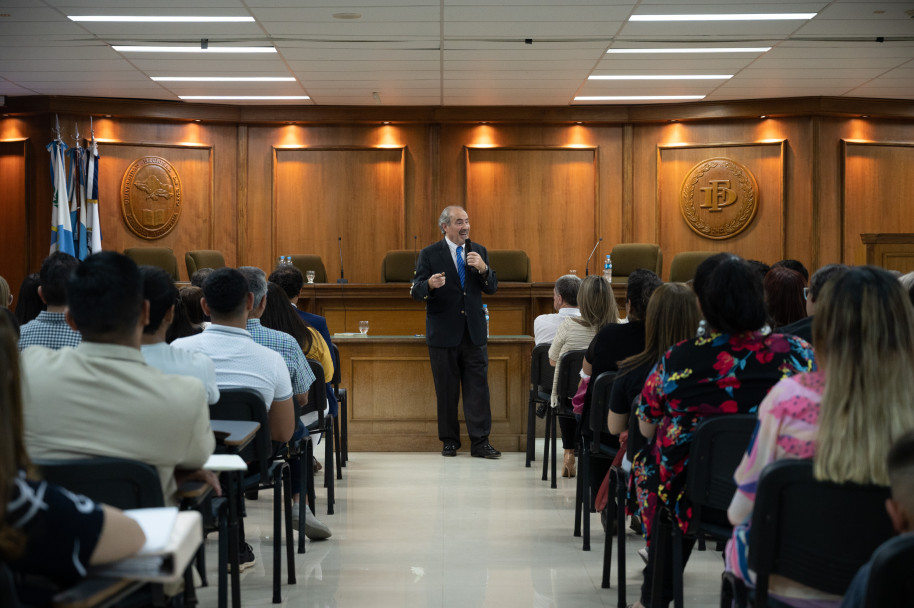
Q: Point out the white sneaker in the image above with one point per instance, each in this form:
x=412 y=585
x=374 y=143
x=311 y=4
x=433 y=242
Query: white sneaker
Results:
x=314 y=528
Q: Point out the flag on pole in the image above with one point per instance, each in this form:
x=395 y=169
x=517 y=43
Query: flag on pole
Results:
x=91 y=222
x=76 y=172
x=61 y=228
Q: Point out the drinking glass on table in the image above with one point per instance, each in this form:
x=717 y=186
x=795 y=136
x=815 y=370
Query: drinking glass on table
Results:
x=363 y=327
x=309 y=274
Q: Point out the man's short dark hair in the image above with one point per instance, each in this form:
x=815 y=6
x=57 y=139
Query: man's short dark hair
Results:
x=290 y=279
x=226 y=291
x=199 y=277
x=900 y=465
x=795 y=265
x=760 y=267
x=822 y=276
x=567 y=286
x=55 y=272
x=105 y=295
x=160 y=290
x=641 y=285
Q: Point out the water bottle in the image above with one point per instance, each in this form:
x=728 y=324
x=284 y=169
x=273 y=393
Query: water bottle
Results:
x=608 y=268
x=485 y=310
x=282 y=261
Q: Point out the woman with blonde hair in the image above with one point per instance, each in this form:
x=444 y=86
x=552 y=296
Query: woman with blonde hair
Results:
x=844 y=416
x=6 y=298
x=598 y=308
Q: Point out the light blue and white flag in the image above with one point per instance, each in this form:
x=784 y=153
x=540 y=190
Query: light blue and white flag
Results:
x=89 y=217
x=76 y=182
x=61 y=228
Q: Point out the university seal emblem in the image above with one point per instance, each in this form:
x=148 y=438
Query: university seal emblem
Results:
x=719 y=198
x=151 y=197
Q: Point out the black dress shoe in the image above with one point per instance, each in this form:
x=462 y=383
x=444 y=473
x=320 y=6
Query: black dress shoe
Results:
x=449 y=449
x=486 y=451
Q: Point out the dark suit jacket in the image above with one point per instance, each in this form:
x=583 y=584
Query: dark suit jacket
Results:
x=800 y=329
x=451 y=308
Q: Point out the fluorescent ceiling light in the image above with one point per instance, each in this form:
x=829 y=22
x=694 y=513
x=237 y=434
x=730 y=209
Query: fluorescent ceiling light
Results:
x=223 y=78
x=637 y=97
x=758 y=49
x=193 y=49
x=247 y=97
x=664 y=77
x=157 y=19
x=726 y=17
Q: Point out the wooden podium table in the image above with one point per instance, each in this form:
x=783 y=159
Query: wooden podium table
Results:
x=392 y=405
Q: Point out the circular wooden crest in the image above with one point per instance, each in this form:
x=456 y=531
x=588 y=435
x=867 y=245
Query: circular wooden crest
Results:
x=151 y=197
x=719 y=198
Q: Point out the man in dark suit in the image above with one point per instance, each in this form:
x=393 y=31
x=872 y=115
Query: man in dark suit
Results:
x=451 y=276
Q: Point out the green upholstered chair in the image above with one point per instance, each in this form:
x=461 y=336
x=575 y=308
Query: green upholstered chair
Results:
x=399 y=266
x=203 y=258
x=627 y=257
x=305 y=262
x=684 y=264
x=163 y=257
x=510 y=264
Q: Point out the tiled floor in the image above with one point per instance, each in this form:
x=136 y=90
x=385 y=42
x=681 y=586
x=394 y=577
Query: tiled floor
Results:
x=417 y=529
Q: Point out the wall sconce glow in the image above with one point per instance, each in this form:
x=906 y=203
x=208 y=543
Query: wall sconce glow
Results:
x=245 y=97
x=157 y=19
x=193 y=49
x=638 y=97
x=662 y=77
x=754 y=49
x=222 y=78
x=726 y=17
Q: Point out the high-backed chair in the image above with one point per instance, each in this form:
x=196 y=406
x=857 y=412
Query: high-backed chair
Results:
x=305 y=262
x=684 y=264
x=203 y=258
x=163 y=257
x=569 y=371
x=628 y=257
x=399 y=266
x=510 y=264
x=317 y=402
x=891 y=581
x=541 y=374
x=594 y=446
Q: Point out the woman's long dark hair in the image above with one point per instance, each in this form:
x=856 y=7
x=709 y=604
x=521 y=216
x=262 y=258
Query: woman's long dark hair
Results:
x=13 y=455
x=280 y=315
x=28 y=302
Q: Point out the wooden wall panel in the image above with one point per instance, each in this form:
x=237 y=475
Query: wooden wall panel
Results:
x=14 y=171
x=322 y=195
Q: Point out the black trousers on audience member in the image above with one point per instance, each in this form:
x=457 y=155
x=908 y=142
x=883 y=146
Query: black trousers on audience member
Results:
x=465 y=365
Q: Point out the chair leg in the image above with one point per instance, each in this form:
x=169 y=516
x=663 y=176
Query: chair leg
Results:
x=660 y=544
x=608 y=553
x=290 y=541
x=277 y=534
x=579 y=497
x=549 y=422
x=678 y=566
x=344 y=426
x=337 y=444
x=621 y=496
x=307 y=467
x=555 y=424
x=531 y=429
x=329 y=466
x=584 y=473
x=222 y=573
x=309 y=462
x=190 y=593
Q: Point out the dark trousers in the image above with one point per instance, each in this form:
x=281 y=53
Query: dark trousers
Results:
x=465 y=365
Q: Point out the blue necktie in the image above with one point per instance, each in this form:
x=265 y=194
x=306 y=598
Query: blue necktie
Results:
x=461 y=266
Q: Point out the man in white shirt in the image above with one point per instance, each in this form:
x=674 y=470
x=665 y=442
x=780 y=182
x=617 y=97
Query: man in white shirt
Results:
x=162 y=295
x=565 y=302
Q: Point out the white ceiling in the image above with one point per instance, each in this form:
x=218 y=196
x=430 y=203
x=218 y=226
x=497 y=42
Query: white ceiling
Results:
x=459 y=52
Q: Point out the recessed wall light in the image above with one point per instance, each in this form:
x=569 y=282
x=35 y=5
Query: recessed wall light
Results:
x=718 y=49
x=222 y=78
x=662 y=77
x=158 y=19
x=246 y=97
x=638 y=97
x=763 y=116
x=193 y=49
x=726 y=17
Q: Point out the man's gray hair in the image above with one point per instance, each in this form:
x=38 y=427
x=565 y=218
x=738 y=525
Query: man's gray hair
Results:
x=257 y=282
x=567 y=286
x=445 y=217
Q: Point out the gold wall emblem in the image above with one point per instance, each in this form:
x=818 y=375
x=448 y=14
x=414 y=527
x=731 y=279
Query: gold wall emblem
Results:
x=719 y=198
x=151 y=197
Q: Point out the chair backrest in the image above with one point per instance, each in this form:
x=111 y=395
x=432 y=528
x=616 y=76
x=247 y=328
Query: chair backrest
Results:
x=399 y=266
x=337 y=374
x=718 y=446
x=599 y=406
x=163 y=257
x=246 y=404
x=510 y=264
x=121 y=483
x=541 y=371
x=305 y=262
x=569 y=370
x=816 y=533
x=317 y=393
x=628 y=257
x=9 y=597
x=684 y=264
x=203 y=258
x=891 y=581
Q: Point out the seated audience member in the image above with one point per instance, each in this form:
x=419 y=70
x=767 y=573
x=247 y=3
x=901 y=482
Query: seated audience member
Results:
x=49 y=328
x=843 y=416
x=729 y=370
x=784 y=296
x=200 y=276
x=189 y=318
x=900 y=466
x=28 y=302
x=760 y=267
x=565 y=303
x=907 y=282
x=291 y=280
x=6 y=298
x=598 y=309
x=44 y=531
x=159 y=290
x=102 y=399
x=795 y=265
x=803 y=327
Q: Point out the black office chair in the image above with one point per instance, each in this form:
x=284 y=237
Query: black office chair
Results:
x=540 y=389
x=800 y=531
x=594 y=446
x=264 y=471
x=891 y=581
x=317 y=402
x=341 y=430
x=569 y=371
x=718 y=446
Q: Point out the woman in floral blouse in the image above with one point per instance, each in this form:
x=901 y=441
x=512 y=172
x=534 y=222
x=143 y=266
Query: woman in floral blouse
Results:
x=728 y=370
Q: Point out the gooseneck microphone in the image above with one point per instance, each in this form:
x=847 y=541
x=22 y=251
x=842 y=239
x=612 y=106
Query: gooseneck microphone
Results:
x=342 y=278
x=592 y=251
